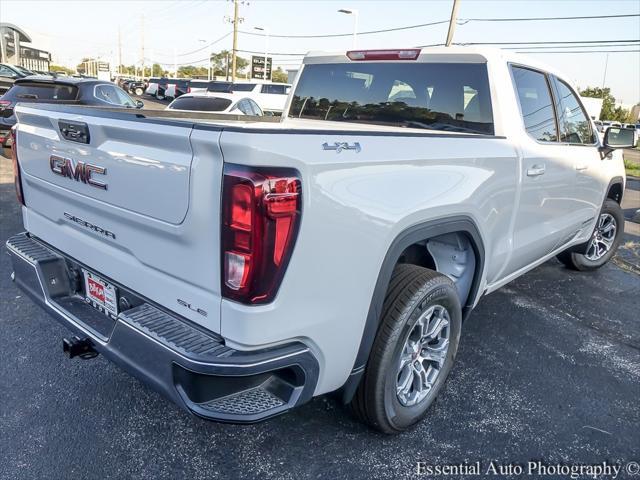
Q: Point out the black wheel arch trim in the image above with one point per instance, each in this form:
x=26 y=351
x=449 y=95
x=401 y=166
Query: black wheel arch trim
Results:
x=413 y=234
x=618 y=180
x=581 y=248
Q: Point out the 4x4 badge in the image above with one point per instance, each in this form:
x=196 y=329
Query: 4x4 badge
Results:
x=340 y=146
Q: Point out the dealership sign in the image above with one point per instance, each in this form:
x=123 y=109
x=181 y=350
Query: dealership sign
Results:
x=257 y=67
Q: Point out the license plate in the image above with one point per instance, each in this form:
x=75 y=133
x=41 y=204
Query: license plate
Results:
x=100 y=294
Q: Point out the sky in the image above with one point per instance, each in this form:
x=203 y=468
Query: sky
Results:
x=72 y=29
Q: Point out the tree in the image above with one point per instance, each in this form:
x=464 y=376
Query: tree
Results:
x=191 y=71
x=280 y=76
x=221 y=63
x=60 y=68
x=609 y=110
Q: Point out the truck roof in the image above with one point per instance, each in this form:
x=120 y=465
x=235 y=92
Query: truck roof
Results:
x=457 y=53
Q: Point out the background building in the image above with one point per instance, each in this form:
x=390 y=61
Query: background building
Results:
x=14 y=51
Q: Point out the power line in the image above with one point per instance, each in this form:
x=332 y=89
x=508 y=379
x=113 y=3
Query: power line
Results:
x=336 y=35
x=582 y=51
x=575 y=46
x=462 y=21
x=201 y=48
x=270 y=53
x=541 y=43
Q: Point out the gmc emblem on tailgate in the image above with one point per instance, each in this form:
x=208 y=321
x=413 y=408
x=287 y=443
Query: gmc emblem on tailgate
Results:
x=80 y=171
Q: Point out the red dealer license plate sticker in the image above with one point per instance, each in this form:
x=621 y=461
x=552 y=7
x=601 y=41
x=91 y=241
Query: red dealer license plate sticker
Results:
x=100 y=293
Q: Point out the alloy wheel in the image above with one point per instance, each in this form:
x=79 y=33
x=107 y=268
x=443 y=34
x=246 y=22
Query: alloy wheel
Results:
x=423 y=356
x=603 y=237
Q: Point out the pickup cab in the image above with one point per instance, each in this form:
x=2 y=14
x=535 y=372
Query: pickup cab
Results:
x=242 y=266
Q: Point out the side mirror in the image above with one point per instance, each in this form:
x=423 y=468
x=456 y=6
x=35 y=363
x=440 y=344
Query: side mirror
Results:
x=139 y=104
x=616 y=137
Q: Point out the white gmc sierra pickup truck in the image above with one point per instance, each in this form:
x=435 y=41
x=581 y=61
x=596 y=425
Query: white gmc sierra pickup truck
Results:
x=243 y=267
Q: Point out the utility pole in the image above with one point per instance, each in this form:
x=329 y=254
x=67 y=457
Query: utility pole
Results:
x=119 y=50
x=452 y=22
x=142 y=43
x=235 y=40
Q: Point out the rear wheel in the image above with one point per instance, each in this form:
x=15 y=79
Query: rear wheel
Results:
x=138 y=91
x=413 y=351
x=603 y=243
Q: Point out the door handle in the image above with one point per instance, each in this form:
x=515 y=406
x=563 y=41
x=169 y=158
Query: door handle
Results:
x=535 y=171
x=582 y=166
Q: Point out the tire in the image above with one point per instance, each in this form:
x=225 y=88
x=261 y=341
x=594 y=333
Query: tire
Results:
x=592 y=259
x=138 y=91
x=382 y=399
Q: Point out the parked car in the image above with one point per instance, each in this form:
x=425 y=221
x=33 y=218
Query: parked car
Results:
x=152 y=86
x=135 y=87
x=216 y=102
x=243 y=267
x=270 y=96
x=60 y=90
x=9 y=74
x=599 y=125
x=177 y=87
x=197 y=87
x=636 y=130
x=163 y=85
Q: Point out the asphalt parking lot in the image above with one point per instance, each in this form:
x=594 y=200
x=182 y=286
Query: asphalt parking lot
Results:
x=548 y=369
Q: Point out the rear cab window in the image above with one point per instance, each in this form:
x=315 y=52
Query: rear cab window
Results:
x=41 y=91
x=438 y=96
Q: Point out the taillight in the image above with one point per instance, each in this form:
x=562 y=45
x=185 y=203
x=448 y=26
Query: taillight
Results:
x=261 y=210
x=188 y=88
x=4 y=104
x=16 y=166
x=406 y=54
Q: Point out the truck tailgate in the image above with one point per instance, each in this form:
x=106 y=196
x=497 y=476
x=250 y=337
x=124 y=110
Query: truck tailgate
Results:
x=147 y=169
x=135 y=221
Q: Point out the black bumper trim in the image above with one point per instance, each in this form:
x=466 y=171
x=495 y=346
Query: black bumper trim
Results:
x=190 y=365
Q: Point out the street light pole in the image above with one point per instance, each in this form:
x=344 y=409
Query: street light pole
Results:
x=266 y=52
x=353 y=12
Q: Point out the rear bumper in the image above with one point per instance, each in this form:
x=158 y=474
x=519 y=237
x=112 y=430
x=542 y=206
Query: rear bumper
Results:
x=191 y=366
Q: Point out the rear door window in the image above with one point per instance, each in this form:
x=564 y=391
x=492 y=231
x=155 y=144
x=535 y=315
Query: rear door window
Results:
x=112 y=94
x=575 y=126
x=536 y=104
x=438 y=96
x=255 y=108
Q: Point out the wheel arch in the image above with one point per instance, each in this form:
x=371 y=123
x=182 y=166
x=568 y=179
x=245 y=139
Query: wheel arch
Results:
x=410 y=236
x=615 y=190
